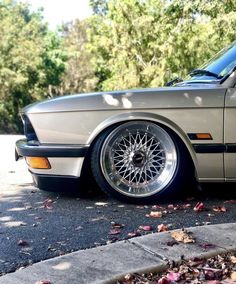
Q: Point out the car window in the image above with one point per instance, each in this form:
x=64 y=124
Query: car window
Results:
x=223 y=62
x=220 y=65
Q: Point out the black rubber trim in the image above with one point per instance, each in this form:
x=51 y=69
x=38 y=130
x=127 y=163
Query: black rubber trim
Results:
x=215 y=148
x=27 y=149
x=56 y=183
x=231 y=148
x=209 y=148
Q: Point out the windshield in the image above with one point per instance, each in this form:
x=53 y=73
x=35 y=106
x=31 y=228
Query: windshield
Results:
x=219 y=66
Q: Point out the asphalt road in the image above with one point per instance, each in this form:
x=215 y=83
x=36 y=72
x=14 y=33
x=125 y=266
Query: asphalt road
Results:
x=37 y=225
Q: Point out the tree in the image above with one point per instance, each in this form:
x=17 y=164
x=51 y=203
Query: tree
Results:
x=30 y=61
x=145 y=43
x=99 y=7
x=79 y=74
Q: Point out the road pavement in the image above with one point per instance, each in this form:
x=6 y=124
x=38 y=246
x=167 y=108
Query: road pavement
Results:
x=109 y=264
x=37 y=225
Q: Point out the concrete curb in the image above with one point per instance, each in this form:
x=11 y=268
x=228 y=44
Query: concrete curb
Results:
x=106 y=264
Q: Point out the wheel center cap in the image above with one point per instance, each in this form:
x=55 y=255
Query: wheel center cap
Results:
x=139 y=159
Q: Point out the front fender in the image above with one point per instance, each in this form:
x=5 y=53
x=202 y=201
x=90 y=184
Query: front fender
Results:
x=120 y=118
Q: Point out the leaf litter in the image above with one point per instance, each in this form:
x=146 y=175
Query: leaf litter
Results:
x=220 y=269
x=182 y=236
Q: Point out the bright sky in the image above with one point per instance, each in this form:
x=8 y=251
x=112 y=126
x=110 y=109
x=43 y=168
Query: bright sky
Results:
x=56 y=12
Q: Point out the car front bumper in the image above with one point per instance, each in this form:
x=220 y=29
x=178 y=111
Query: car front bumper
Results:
x=66 y=164
x=26 y=148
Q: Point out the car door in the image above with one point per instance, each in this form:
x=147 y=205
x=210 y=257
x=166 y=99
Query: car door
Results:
x=230 y=134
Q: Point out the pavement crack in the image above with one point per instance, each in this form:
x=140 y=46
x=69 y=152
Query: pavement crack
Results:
x=161 y=257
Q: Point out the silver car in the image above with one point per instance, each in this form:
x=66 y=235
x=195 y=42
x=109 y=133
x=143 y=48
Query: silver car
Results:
x=140 y=145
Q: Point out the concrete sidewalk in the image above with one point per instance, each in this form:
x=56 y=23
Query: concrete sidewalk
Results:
x=106 y=264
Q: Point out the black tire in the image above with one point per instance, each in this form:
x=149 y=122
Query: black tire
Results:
x=140 y=162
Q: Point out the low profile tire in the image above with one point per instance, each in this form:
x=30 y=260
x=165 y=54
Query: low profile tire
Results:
x=139 y=162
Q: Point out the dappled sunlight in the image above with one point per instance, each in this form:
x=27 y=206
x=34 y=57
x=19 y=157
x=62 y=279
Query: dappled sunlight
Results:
x=186 y=95
x=101 y=203
x=13 y=224
x=110 y=100
x=62 y=266
x=5 y=219
x=198 y=101
x=8 y=222
x=16 y=209
x=126 y=102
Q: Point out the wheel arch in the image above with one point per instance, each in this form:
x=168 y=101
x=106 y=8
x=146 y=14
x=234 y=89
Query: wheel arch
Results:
x=160 y=120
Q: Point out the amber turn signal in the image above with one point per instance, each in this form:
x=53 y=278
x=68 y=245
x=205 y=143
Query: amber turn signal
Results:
x=204 y=136
x=38 y=162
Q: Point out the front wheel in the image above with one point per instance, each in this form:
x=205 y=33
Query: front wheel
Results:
x=137 y=161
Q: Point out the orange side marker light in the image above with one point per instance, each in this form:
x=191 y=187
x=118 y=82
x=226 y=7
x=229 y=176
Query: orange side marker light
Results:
x=205 y=136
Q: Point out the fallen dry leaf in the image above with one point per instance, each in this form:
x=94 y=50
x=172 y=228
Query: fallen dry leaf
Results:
x=134 y=234
x=146 y=228
x=129 y=277
x=164 y=280
x=170 y=206
x=182 y=236
x=199 y=207
x=114 y=232
x=157 y=207
x=117 y=225
x=233 y=276
x=186 y=206
x=210 y=274
x=233 y=259
x=162 y=228
x=219 y=209
x=22 y=243
x=155 y=214
x=179 y=207
x=48 y=204
x=173 y=276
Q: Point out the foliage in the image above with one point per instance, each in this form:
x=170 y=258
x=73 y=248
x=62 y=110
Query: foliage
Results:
x=125 y=44
x=30 y=61
x=145 y=43
x=79 y=74
x=99 y=7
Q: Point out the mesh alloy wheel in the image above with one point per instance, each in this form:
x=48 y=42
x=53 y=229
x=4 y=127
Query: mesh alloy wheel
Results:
x=138 y=159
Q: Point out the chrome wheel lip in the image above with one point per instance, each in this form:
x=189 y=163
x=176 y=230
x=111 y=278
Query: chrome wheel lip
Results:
x=163 y=171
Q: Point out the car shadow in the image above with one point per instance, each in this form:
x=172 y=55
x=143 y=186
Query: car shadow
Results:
x=217 y=190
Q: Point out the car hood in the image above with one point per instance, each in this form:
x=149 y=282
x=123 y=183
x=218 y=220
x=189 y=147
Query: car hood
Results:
x=168 y=97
